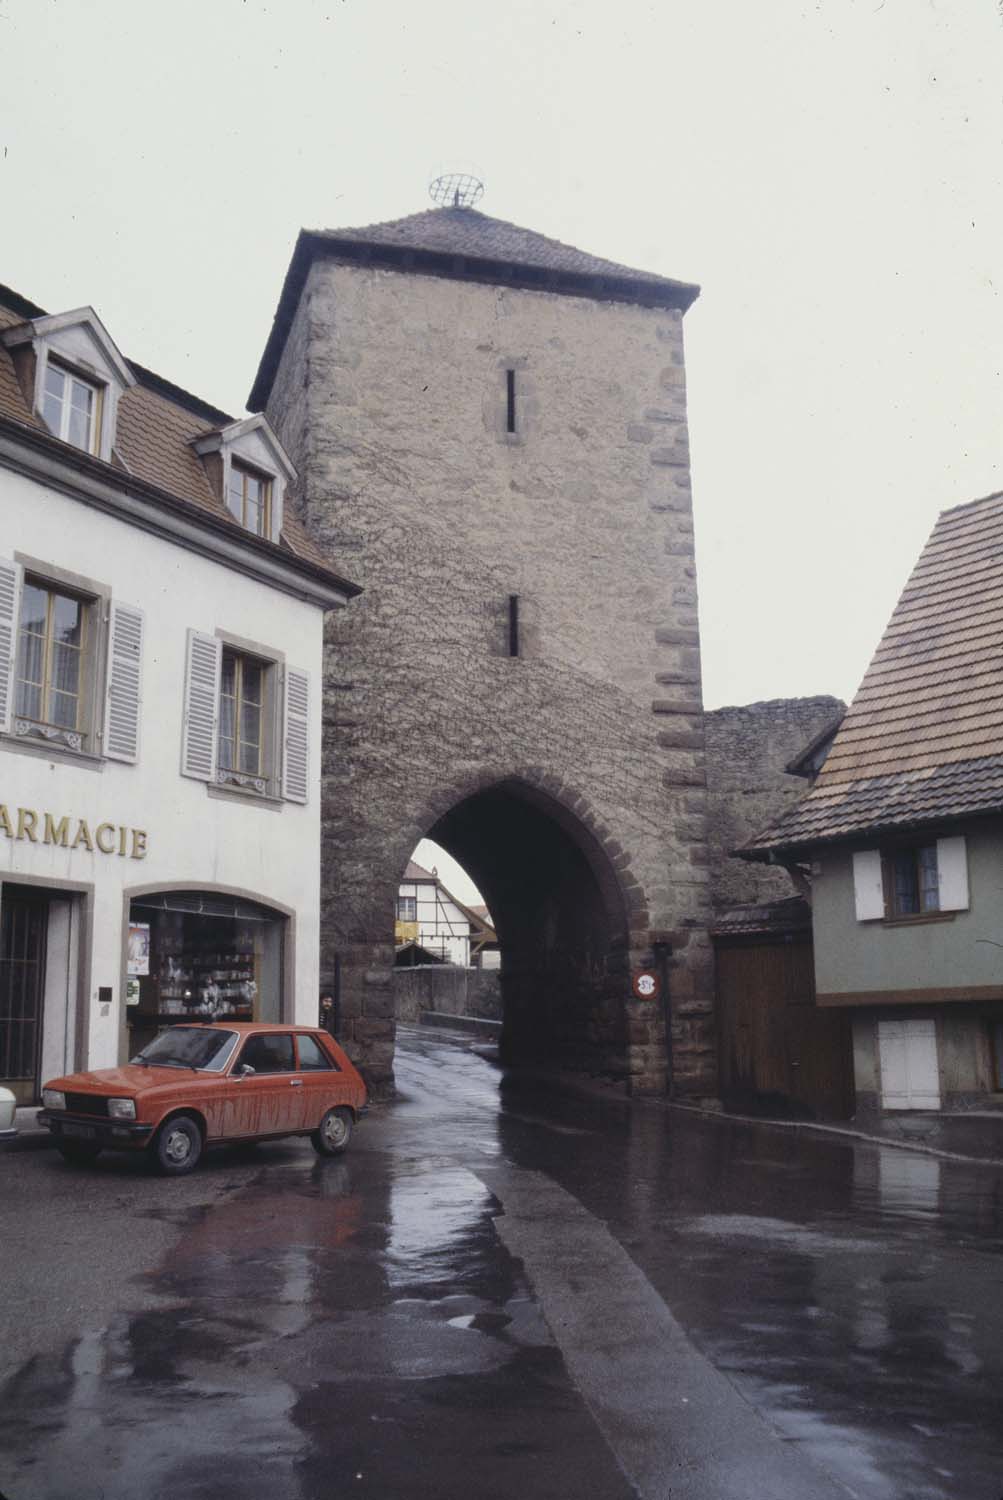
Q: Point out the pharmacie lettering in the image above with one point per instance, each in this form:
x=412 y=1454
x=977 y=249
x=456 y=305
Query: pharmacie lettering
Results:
x=24 y=824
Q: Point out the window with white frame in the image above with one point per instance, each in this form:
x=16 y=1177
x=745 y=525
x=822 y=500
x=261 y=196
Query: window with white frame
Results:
x=70 y=663
x=246 y=720
x=407 y=909
x=71 y=407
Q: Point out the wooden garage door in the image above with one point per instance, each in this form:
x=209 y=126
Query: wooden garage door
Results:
x=778 y=1052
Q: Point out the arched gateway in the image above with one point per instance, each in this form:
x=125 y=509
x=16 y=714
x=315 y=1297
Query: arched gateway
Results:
x=491 y=428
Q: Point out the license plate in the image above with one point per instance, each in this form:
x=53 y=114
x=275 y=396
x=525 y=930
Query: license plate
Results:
x=87 y=1131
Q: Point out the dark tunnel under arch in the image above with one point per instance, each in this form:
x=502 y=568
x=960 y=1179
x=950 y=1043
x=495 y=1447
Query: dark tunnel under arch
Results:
x=562 y=919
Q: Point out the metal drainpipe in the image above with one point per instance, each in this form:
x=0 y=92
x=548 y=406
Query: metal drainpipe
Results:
x=663 y=952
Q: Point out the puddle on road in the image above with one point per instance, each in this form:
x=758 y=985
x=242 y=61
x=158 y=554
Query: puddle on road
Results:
x=314 y=1328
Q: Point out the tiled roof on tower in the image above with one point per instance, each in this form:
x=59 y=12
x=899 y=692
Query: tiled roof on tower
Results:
x=462 y=243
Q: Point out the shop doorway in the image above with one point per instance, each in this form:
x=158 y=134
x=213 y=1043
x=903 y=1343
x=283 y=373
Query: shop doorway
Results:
x=40 y=932
x=23 y=939
x=200 y=956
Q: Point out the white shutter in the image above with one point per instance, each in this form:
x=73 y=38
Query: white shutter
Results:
x=296 y=736
x=868 y=885
x=125 y=681
x=10 y=605
x=910 y=1075
x=198 y=735
x=952 y=874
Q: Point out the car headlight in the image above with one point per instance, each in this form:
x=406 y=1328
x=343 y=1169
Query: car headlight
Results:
x=122 y=1109
x=53 y=1099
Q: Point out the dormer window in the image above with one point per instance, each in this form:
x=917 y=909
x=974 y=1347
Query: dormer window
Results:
x=250 y=498
x=72 y=375
x=250 y=472
x=71 y=407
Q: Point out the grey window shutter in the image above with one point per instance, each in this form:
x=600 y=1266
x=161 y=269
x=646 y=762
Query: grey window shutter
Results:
x=198 y=735
x=10 y=604
x=296 y=736
x=125 y=682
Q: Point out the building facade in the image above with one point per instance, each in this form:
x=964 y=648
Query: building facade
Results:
x=431 y=916
x=492 y=426
x=901 y=837
x=161 y=623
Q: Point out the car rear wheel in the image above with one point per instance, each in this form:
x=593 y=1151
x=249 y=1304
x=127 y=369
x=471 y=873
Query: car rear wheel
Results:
x=178 y=1146
x=78 y=1153
x=333 y=1133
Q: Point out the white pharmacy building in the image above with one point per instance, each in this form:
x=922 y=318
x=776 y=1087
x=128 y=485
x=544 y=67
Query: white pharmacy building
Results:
x=161 y=636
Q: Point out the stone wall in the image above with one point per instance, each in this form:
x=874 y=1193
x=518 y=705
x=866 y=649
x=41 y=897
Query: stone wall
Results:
x=390 y=398
x=448 y=990
x=748 y=788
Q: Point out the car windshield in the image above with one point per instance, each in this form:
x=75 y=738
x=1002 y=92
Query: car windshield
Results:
x=188 y=1047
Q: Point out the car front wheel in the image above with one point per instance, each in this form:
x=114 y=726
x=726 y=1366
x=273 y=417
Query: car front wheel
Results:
x=333 y=1133
x=178 y=1146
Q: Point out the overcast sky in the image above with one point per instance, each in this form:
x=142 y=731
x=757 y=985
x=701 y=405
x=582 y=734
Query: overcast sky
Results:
x=827 y=170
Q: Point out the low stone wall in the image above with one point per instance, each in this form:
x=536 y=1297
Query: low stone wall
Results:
x=448 y=991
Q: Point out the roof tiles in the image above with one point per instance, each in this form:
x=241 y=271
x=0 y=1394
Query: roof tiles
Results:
x=923 y=738
x=466 y=232
x=153 y=439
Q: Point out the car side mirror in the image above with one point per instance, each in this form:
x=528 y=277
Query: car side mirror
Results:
x=245 y=1070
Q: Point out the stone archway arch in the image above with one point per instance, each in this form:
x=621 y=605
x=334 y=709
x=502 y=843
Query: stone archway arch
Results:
x=571 y=915
x=561 y=801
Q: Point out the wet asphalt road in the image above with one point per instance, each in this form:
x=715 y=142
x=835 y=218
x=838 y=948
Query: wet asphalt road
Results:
x=504 y=1291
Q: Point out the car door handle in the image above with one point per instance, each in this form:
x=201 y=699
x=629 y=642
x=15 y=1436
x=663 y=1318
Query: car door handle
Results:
x=295 y=1083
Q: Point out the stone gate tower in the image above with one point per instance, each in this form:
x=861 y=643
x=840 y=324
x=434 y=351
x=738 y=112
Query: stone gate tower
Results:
x=490 y=427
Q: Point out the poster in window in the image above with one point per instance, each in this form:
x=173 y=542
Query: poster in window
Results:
x=139 y=948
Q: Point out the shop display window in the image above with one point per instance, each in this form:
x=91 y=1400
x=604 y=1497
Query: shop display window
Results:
x=195 y=957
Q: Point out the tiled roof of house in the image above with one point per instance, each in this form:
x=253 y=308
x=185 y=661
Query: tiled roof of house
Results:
x=155 y=427
x=417 y=872
x=464 y=242
x=923 y=739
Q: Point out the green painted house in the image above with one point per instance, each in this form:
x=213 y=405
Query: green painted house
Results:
x=900 y=838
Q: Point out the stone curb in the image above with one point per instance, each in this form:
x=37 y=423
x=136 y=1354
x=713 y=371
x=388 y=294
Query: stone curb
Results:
x=615 y=1091
x=839 y=1130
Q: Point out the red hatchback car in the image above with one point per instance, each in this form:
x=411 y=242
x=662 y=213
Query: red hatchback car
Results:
x=198 y=1086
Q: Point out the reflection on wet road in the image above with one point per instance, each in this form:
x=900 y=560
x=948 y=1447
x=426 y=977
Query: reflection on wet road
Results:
x=358 y=1324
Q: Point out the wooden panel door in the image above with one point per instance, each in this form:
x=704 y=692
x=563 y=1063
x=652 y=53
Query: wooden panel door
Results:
x=910 y=1072
x=778 y=1053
